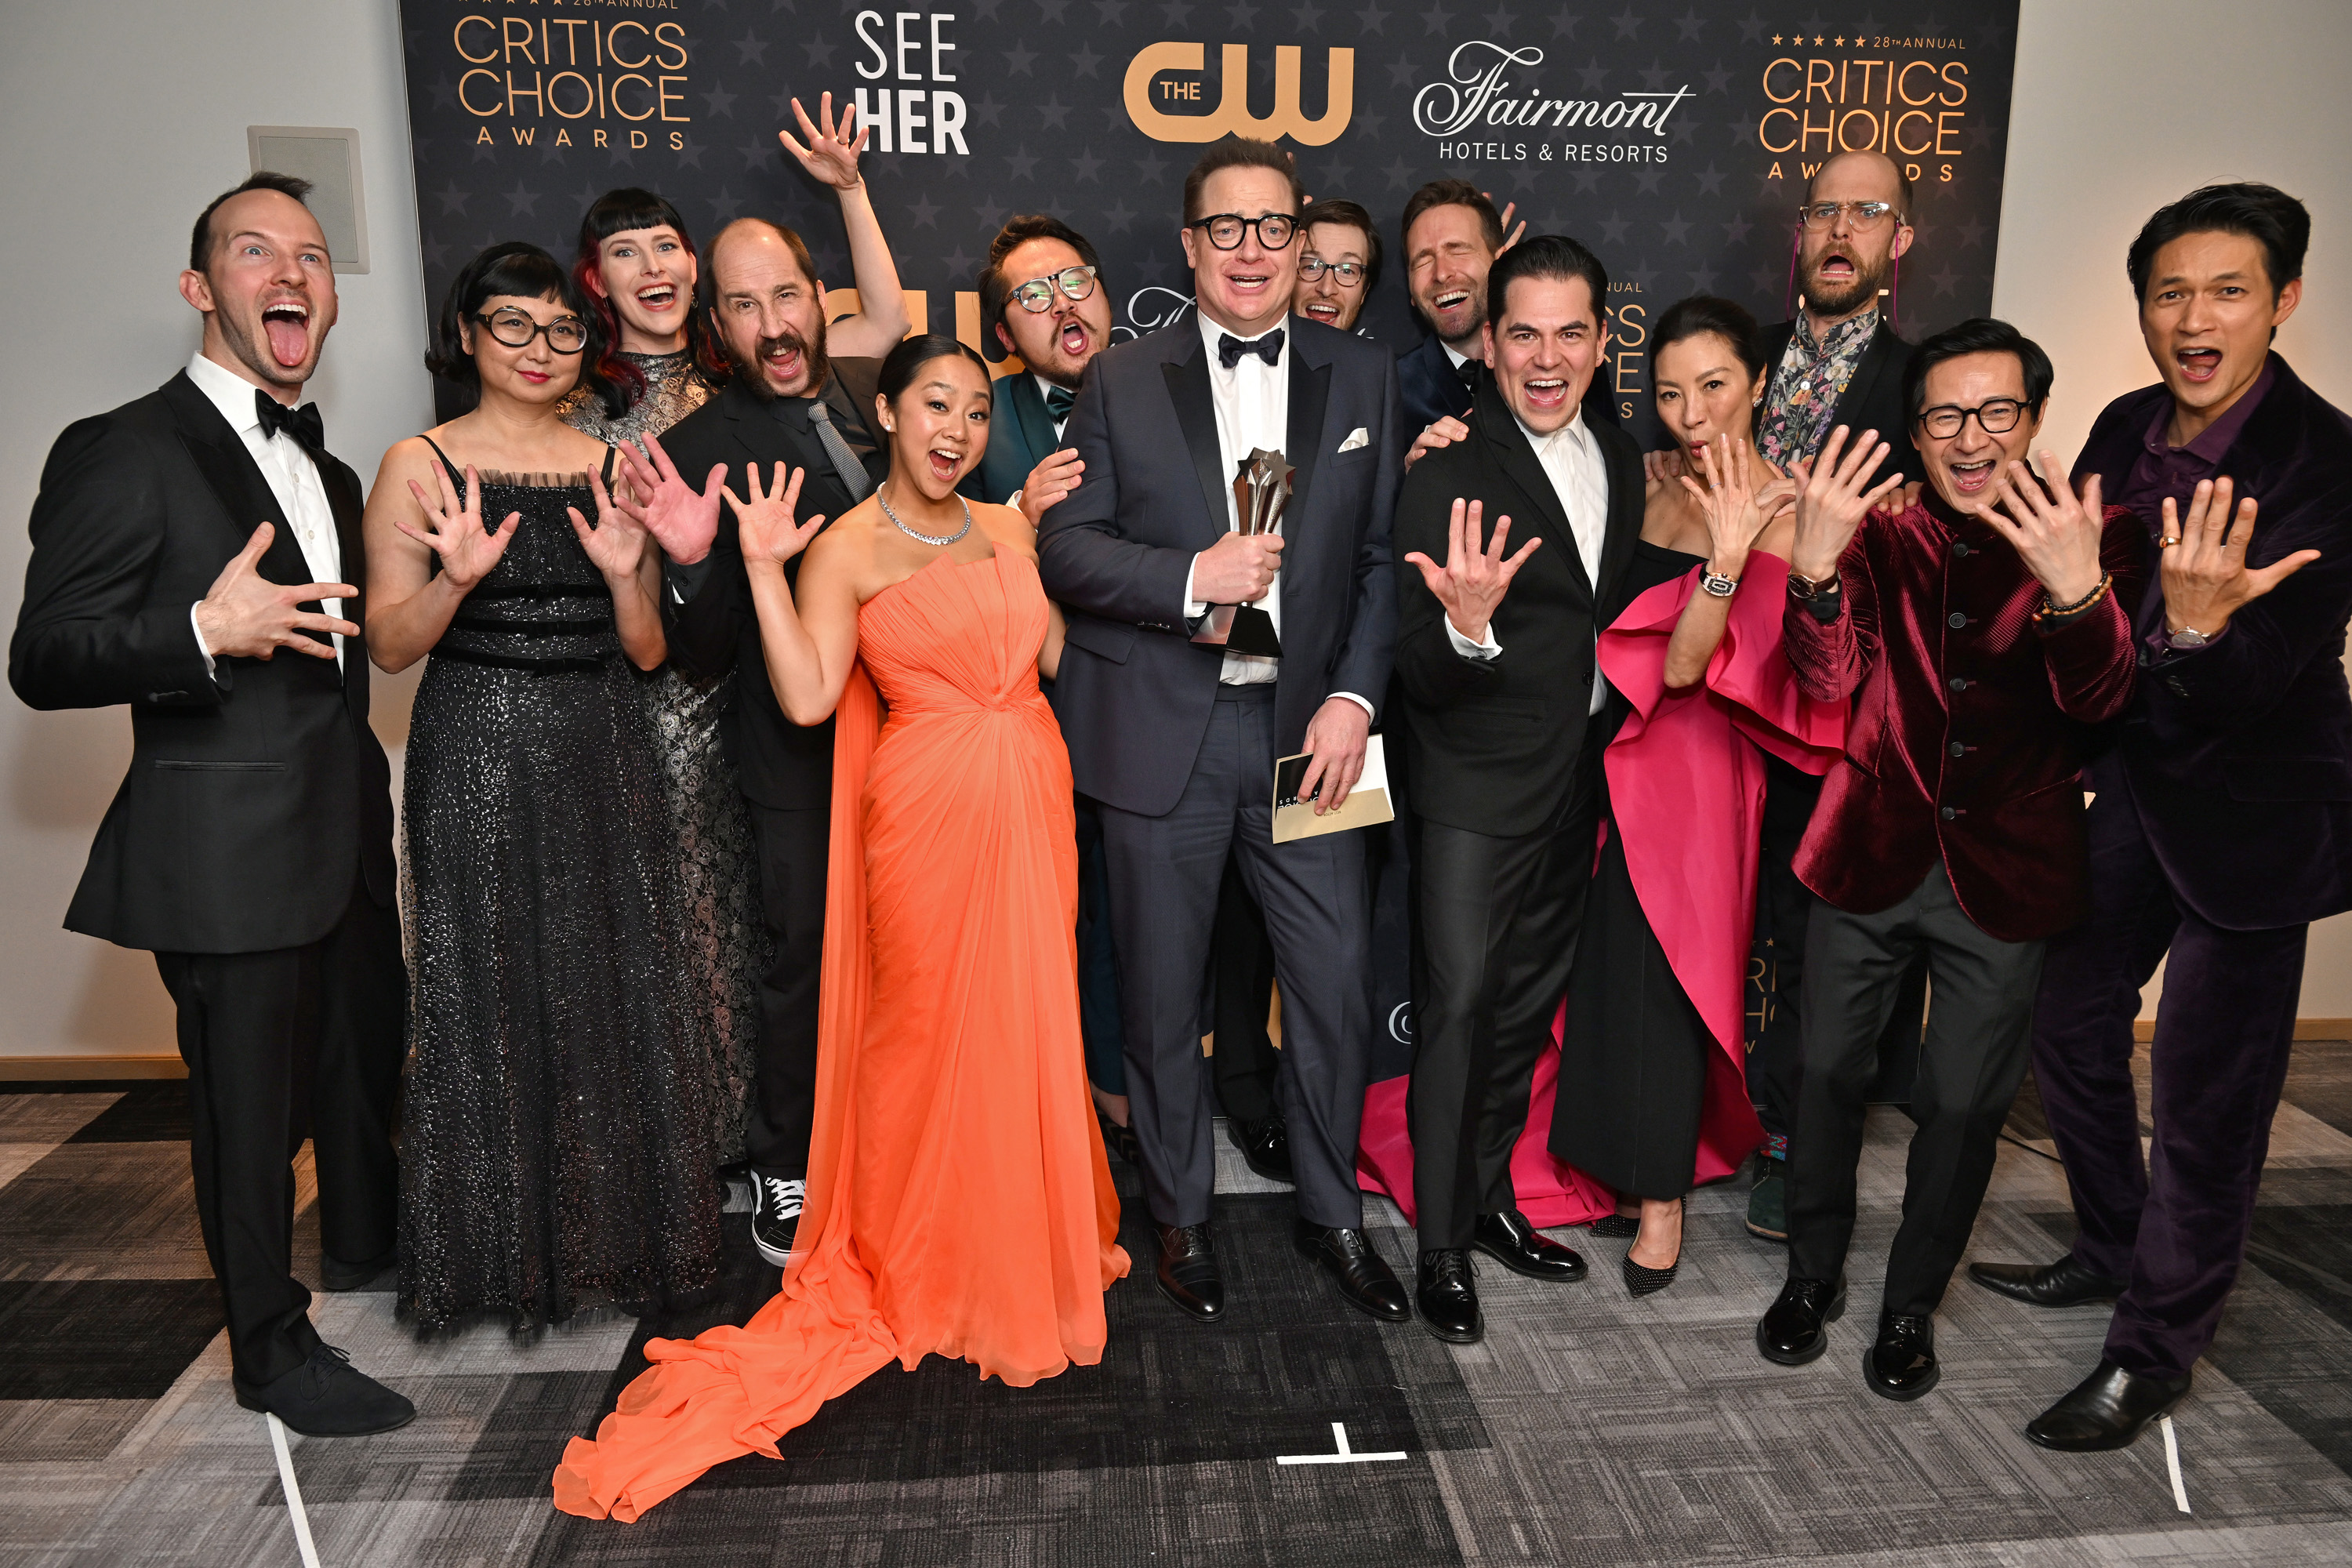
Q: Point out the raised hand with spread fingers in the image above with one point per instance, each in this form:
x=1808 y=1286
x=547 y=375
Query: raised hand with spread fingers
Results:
x=1474 y=577
x=682 y=520
x=1834 y=497
x=2056 y=534
x=2203 y=565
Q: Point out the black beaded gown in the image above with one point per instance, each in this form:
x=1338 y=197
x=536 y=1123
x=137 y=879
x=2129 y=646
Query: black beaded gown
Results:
x=556 y=1143
x=719 y=871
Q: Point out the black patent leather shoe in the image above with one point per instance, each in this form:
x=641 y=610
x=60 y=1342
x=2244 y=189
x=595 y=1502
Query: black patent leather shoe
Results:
x=1902 y=1364
x=334 y=1274
x=327 y=1396
x=1794 y=1328
x=1266 y=1144
x=1511 y=1241
x=2066 y=1283
x=1187 y=1272
x=1448 y=1296
x=1366 y=1282
x=2109 y=1409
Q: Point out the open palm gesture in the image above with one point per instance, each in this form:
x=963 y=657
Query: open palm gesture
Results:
x=2055 y=534
x=1735 y=508
x=682 y=520
x=831 y=153
x=616 y=545
x=2203 y=566
x=1473 y=580
x=454 y=530
x=1835 y=496
x=764 y=523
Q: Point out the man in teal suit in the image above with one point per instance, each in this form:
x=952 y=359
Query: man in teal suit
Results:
x=1043 y=295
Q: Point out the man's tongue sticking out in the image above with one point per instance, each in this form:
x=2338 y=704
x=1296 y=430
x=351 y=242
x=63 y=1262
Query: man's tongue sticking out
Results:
x=289 y=337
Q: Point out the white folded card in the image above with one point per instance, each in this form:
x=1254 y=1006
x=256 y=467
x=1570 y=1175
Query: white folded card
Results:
x=1367 y=804
x=1357 y=438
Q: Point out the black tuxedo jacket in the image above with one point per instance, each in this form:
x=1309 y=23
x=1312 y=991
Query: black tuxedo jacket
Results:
x=2240 y=755
x=707 y=607
x=1135 y=692
x=256 y=794
x=1433 y=390
x=1872 y=399
x=1491 y=743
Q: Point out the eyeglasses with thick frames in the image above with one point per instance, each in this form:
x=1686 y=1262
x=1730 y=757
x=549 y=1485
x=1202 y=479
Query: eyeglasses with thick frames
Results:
x=1037 y=294
x=1275 y=230
x=1995 y=417
x=565 y=334
x=1349 y=273
x=1860 y=216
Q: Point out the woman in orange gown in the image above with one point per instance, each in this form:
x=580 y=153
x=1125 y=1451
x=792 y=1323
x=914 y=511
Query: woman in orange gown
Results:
x=950 y=1060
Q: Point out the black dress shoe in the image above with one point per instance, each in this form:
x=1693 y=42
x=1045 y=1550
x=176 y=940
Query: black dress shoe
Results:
x=1793 y=1329
x=1511 y=1241
x=1266 y=1144
x=1187 y=1273
x=327 y=1396
x=1902 y=1364
x=1365 y=1279
x=334 y=1274
x=2066 y=1283
x=1448 y=1296
x=1120 y=1141
x=2109 y=1409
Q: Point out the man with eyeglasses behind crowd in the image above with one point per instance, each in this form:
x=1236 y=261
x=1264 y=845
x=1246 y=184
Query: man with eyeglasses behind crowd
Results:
x=1339 y=263
x=1042 y=295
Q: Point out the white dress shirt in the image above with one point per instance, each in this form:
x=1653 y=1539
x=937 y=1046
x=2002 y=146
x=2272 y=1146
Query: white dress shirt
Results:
x=1571 y=461
x=294 y=484
x=1252 y=404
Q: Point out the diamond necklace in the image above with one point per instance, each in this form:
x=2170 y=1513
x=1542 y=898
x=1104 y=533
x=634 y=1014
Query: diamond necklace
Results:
x=927 y=537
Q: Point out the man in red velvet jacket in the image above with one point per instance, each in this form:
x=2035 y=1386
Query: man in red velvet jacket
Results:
x=1983 y=625
x=2222 y=824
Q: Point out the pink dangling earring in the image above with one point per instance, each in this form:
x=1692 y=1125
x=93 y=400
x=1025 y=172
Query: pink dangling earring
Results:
x=1893 y=294
x=1796 y=244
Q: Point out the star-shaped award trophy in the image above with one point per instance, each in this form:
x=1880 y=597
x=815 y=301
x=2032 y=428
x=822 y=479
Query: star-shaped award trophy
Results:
x=1261 y=494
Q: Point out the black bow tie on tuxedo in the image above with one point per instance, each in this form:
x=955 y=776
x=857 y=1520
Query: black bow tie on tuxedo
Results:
x=303 y=424
x=1059 y=401
x=1230 y=349
x=1468 y=371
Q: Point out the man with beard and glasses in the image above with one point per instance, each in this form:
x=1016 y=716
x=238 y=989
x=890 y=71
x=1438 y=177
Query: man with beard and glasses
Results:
x=787 y=403
x=196 y=554
x=1837 y=362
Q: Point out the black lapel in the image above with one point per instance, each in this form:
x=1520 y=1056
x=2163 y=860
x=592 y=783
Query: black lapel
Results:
x=1030 y=416
x=1196 y=417
x=1302 y=440
x=236 y=479
x=1621 y=459
x=1877 y=360
x=344 y=500
x=1518 y=459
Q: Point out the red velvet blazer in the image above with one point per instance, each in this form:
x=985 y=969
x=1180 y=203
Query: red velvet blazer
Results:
x=1970 y=725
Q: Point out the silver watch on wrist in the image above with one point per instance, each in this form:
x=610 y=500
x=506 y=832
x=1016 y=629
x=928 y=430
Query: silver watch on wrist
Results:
x=2186 y=639
x=1716 y=584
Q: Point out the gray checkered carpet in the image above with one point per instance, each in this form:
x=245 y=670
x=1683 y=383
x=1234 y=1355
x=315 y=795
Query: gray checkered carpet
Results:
x=1587 y=1428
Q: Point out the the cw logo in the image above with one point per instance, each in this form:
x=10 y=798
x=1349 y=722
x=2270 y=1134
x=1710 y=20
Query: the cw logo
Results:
x=1232 y=113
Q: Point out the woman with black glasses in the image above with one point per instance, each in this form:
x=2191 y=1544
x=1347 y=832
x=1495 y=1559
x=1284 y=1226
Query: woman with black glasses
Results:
x=556 y=1149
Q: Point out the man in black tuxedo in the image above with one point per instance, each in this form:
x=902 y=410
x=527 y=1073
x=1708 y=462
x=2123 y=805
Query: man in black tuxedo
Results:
x=180 y=543
x=786 y=402
x=1506 y=718
x=1177 y=739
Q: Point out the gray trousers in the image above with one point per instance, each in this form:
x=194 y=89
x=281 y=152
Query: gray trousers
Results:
x=1165 y=872
x=1979 y=1037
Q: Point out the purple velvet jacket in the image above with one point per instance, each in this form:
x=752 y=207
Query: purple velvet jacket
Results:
x=1971 y=726
x=2240 y=755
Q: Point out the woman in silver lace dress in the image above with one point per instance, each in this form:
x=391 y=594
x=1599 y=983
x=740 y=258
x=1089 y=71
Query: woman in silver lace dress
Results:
x=637 y=266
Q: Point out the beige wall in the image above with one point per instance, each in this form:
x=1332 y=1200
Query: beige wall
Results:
x=120 y=116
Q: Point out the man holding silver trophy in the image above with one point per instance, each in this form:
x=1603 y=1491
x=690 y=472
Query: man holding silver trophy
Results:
x=1224 y=566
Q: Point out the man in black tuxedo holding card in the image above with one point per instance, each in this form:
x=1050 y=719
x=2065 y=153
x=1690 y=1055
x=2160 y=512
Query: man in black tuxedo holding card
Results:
x=1177 y=739
x=196 y=554
x=1503 y=697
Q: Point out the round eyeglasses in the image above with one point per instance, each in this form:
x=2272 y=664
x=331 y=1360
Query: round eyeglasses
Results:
x=1860 y=216
x=1275 y=230
x=1996 y=416
x=1037 y=294
x=565 y=334
x=1349 y=273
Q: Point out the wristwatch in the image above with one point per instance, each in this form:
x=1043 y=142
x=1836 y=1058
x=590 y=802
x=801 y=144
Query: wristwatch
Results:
x=1716 y=584
x=2186 y=639
x=1803 y=587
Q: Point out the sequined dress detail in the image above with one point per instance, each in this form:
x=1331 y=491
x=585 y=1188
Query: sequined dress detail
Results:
x=556 y=1142
x=718 y=872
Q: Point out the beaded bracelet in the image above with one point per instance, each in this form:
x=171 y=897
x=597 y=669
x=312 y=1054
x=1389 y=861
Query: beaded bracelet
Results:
x=2050 y=612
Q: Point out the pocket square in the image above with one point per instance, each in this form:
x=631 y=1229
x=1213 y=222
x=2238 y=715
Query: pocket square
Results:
x=1356 y=438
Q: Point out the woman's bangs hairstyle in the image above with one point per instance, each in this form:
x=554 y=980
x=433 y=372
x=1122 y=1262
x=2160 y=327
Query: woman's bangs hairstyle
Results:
x=523 y=271
x=618 y=212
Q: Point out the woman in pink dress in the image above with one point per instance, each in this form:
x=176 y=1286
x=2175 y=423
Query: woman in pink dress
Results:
x=1653 y=1098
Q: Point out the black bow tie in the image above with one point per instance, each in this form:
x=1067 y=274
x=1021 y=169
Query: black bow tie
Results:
x=303 y=424
x=1059 y=401
x=1468 y=371
x=1230 y=349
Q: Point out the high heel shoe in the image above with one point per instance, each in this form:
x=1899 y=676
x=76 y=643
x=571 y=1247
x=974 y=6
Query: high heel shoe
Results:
x=1645 y=1281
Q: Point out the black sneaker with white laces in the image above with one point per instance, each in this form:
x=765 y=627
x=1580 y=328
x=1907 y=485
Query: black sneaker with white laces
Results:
x=776 y=1213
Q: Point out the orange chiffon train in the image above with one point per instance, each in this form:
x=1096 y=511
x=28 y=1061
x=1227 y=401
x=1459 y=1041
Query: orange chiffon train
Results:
x=950 y=1071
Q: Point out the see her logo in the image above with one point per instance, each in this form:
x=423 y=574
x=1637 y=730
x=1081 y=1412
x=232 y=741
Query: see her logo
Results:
x=1178 y=111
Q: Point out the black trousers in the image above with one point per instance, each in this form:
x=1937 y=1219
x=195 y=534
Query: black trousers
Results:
x=1979 y=1033
x=1498 y=924
x=280 y=1046
x=1165 y=873
x=793 y=846
x=1240 y=964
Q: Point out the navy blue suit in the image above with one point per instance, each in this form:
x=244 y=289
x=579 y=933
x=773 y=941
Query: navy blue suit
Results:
x=1431 y=389
x=1020 y=437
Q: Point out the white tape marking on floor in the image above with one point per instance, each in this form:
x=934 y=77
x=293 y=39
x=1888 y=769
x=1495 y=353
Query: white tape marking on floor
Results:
x=2172 y=1462
x=293 y=1492
x=1344 y=1457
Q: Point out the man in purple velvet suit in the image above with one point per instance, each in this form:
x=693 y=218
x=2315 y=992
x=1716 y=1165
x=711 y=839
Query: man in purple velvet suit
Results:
x=2222 y=824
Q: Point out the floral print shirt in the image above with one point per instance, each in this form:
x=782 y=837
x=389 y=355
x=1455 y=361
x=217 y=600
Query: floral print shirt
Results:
x=1812 y=376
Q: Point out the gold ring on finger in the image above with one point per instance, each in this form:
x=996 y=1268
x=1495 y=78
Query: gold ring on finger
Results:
x=2167 y=543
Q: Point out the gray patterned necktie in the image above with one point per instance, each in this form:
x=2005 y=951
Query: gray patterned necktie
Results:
x=845 y=466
